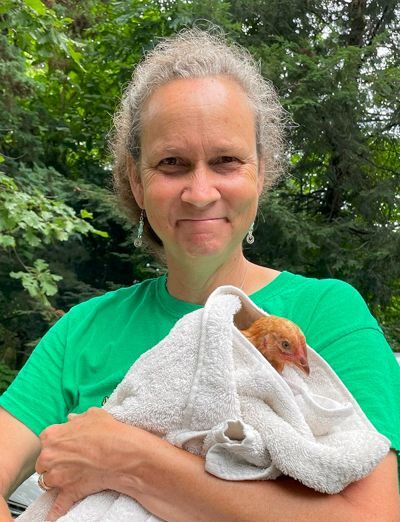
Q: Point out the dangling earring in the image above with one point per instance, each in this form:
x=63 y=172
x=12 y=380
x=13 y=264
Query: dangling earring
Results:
x=250 y=237
x=138 y=239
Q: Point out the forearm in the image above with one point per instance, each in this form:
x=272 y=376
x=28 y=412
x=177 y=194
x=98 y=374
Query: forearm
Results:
x=4 y=512
x=173 y=485
x=6 y=488
x=94 y=452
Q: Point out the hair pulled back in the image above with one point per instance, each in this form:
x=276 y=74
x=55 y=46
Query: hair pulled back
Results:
x=193 y=53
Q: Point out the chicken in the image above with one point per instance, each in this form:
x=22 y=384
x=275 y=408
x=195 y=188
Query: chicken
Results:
x=280 y=341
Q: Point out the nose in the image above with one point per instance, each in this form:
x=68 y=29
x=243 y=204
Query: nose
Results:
x=200 y=189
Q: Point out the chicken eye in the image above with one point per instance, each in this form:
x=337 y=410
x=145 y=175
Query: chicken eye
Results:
x=285 y=345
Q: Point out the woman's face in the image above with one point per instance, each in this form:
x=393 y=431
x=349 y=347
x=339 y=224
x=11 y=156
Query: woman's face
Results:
x=199 y=174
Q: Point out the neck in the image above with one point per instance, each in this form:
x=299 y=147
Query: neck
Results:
x=194 y=281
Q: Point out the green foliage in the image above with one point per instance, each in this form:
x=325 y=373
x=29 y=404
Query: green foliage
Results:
x=6 y=376
x=336 y=67
x=32 y=219
x=63 y=65
x=38 y=281
x=28 y=220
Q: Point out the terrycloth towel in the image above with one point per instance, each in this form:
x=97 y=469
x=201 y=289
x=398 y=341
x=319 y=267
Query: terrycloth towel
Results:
x=207 y=389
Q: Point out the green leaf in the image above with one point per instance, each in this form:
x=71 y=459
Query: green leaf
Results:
x=5 y=6
x=40 y=265
x=100 y=233
x=48 y=287
x=32 y=239
x=16 y=275
x=75 y=55
x=36 y=5
x=7 y=241
x=85 y=214
x=8 y=182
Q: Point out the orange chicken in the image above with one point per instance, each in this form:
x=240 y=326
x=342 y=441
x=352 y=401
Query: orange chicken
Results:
x=280 y=341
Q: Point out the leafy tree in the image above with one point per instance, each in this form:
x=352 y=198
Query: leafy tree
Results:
x=63 y=64
x=336 y=66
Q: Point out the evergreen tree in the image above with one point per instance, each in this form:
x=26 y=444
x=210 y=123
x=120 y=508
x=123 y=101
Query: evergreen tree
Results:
x=62 y=68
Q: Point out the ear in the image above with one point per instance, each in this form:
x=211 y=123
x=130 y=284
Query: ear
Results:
x=135 y=181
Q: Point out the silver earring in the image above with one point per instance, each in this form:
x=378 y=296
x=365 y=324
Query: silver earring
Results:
x=250 y=237
x=138 y=239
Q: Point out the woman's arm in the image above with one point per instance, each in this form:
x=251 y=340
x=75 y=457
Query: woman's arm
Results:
x=189 y=493
x=173 y=485
x=19 y=448
x=4 y=512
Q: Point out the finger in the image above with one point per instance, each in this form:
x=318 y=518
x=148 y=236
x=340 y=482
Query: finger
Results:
x=72 y=416
x=40 y=466
x=60 y=507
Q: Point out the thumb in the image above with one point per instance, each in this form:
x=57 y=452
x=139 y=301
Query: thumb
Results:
x=61 y=505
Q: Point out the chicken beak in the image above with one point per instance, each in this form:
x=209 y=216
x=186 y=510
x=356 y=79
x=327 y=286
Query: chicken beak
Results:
x=303 y=365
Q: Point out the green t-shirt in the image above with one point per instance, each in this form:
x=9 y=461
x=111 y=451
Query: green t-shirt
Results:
x=87 y=352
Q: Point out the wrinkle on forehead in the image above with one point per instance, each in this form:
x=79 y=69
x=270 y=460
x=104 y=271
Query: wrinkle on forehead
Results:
x=188 y=88
x=191 y=112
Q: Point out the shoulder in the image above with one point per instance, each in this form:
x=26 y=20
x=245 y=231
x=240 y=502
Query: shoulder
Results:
x=319 y=289
x=112 y=307
x=334 y=299
x=335 y=306
x=334 y=317
x=288 y=283
x=309 y=301
x=124 y=297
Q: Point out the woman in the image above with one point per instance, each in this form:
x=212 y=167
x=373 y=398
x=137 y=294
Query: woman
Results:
x=197 y=140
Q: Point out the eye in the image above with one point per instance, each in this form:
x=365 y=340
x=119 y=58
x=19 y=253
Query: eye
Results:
x=225 y=163
x=169 y=161
x=285 y=345
x=225 y=160
x=172 y=165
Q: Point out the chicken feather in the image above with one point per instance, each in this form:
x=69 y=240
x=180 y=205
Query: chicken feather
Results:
x=280 y=341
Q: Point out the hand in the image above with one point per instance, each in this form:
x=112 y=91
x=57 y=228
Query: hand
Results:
x=73 y=458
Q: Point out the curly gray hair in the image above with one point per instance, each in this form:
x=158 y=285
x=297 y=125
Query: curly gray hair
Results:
x=194 y=53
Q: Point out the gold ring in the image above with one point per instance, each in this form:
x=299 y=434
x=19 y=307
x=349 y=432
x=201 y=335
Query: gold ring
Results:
x=42 y=483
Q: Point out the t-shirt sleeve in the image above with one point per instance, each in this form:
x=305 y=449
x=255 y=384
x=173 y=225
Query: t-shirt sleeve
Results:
x=349 y=338
x=36 y=395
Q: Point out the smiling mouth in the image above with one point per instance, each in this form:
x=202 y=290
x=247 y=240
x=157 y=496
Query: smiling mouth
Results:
x=200 y=220
x=201 y=225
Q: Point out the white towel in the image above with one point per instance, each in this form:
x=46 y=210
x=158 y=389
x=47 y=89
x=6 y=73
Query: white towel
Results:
x=207 y=389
